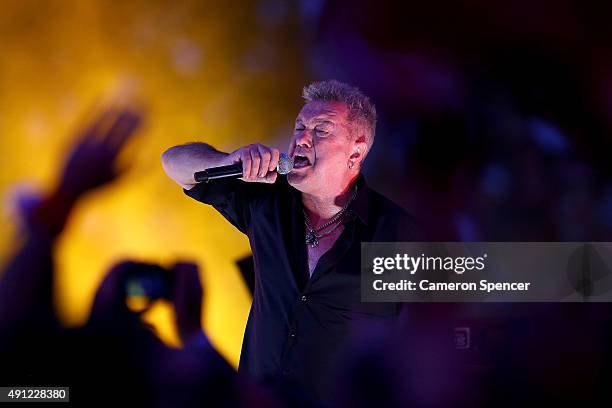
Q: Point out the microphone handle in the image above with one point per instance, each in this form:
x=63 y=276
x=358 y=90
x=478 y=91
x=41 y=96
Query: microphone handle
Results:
x=230 y=171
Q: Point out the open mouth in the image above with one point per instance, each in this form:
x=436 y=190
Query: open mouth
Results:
x=300 y=161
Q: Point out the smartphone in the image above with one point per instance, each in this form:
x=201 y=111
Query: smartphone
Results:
x=148 y=281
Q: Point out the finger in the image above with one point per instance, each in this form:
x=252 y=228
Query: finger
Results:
x=266 y=156
x=270 y=177
x=190 y=267
x=99 y=124
x=187 y=278
x=245 y=156
x=256 y=160
x=274 y=160
x=110 y=293
x=122 y=128
x=86 y=143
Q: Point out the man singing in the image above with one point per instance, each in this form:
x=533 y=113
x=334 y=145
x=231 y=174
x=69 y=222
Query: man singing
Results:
x=305 y=230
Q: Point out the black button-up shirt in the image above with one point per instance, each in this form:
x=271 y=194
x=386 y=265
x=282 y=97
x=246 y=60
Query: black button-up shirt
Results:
x=298 y=323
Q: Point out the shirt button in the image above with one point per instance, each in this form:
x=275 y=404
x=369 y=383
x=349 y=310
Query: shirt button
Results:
x=303 y=298
x=292 y=335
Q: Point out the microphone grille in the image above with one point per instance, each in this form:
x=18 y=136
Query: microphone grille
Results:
x=285 y=164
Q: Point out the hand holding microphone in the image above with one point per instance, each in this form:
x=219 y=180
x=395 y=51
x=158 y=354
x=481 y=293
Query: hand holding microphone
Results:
x=254 y=163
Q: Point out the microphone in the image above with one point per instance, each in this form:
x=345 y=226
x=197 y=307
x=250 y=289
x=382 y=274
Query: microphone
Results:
x=232 y=171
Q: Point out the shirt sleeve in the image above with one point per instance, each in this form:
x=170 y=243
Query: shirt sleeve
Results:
x=227 y=197
x=234 y=199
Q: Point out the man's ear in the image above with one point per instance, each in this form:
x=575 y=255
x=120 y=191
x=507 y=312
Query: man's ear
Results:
x=360 y=148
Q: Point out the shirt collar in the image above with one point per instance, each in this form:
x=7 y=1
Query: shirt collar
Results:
x=361 y=204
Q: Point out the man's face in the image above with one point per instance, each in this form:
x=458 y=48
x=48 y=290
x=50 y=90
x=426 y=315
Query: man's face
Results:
x=321 y=145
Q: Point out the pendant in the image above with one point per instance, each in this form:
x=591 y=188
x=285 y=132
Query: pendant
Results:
x=311 y=238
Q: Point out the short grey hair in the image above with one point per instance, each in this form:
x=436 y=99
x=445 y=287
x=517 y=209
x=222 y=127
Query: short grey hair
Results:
x=362 y=111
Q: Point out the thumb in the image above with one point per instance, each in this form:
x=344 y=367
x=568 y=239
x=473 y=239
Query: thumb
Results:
x=234 y=157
